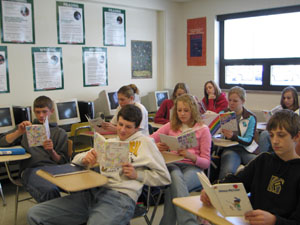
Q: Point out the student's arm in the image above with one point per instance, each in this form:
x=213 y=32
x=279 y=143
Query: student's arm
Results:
x=21 y=129
x=109 y=126
x=161 y=115
x=163 y=130
x=57 y=145
x=88 y=158
x=257 y=217
x=248 y=137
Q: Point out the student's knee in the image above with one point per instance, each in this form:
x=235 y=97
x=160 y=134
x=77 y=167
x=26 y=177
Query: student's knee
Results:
x=32 y=216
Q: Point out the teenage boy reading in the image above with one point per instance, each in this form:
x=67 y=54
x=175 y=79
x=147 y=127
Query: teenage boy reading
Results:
x=113 y=203
x=54 y=151
x=273 y=179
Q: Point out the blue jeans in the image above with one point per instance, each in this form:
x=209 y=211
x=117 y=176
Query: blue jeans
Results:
x=264 y=142
x=232 y=157
x=97 y=206
x=40 y=189
x=184 y=179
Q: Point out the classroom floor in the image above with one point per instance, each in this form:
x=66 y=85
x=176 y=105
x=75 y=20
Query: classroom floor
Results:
x=7 y=212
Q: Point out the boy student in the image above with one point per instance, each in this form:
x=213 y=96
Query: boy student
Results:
x=54 y=151
x=272 y=178
x=113 y=203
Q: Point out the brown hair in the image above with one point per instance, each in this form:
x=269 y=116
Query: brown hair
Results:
x=182 y=86
x=128 y=90
x=195 y=116
x=43 y=101
x=239 y=91
x=216 y=87
x=295 y=97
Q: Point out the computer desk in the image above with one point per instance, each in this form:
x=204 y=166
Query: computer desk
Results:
x=194 y=205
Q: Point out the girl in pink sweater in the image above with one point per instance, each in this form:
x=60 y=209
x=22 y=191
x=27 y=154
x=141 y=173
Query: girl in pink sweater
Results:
x=183 y=173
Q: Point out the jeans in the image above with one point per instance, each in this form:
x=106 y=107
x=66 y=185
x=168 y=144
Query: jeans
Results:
x=97 y=206
x=40 y=189
x=232 y=157
x=184 y=179
x=264 y=142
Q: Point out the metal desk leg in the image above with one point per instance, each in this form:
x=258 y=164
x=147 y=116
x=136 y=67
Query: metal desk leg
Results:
x=2 y=195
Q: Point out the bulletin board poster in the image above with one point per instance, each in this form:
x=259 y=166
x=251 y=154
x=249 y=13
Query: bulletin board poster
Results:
x=94 y=66
x=17 y=24
x=141 y=59
x=4 y=78
x=114 y=27
x=70 y=23
x=196 y=42
x=47 y=68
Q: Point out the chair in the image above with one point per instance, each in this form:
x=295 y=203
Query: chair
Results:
x=2 y=195
x=142 y=210
x=81 y=142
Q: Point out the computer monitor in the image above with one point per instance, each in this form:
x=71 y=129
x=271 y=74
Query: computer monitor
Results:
x=86 y=108
x=7 y=122
x=107 y=102
x=155 y=99
x=66 y=111
x=22 y=113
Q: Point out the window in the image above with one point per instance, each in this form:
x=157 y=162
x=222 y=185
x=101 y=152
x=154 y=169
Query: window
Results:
x=260 y=50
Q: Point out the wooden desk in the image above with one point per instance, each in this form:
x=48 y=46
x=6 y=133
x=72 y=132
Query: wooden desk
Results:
x=223 y=142
x=156 y=125
x=193 y=205
x=170 y=157
x=75 y=182
x=91 y=134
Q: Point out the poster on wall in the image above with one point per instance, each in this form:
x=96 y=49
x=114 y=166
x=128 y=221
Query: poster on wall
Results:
x=196 y=42
x=17 y=24
x=4 y=79
x=114 y=27
x=94 y=66
x=141 y=59
x=47 y=68
x=70 y=23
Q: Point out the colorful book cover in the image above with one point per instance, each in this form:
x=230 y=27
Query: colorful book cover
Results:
x=228 y=121
x=36 y=135
x=212 y=120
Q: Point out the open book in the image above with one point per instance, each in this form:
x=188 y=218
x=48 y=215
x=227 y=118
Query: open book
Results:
x=184 y=141
x=95 y=122
x=269 y=113
x=230 y=199
x=38 y=133
x=63 y=170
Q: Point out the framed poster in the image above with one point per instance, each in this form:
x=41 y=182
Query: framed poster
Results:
x=94 y=66
x=141 y=59
x=114 y=27
x=4 y=78
x=70 y=23
x=196 y=42
x=47 y=68
x=17 y=24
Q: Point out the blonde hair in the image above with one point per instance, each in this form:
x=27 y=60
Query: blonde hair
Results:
x=239 y=91
x=195 y=116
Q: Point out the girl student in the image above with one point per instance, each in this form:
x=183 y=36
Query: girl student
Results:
x=214 y=100
x=126 y=95
x=163 y=114
x=185 y=117
x=289 y=100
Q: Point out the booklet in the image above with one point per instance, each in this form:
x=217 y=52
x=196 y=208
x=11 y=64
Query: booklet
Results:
x=183 y=141
x=15 y=150
x=230 y=199
x=36 y=135
x=64 y=169
x=111 y=153
x=95 y=123
x=269 y=113
x=228 y=121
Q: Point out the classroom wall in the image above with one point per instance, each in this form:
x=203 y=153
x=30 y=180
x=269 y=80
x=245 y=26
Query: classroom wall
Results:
x=196 y=76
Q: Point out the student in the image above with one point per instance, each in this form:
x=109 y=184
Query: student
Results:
x=271 y=178
x=113 y=203
x=126 y=95
x=289 y=100
x=54 y=151
x=184 y=173
x=242 y=153
x=163 y=114
x=214 y=100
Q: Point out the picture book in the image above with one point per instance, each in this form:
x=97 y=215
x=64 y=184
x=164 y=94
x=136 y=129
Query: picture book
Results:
x=36 y=135
x=94 y=122
x=230 y=199
x=183 y=141
x=64 y=169
x=228 y=121
x=15 y=150
x=111 y=153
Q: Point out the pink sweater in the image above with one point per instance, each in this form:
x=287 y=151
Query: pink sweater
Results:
x=202 y=151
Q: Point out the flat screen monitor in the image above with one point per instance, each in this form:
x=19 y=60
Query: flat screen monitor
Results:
x=66 y=112
x=155 y=99
x=7 y=122
x=107 y=103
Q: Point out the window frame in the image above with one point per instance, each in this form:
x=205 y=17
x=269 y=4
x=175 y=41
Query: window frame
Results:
x=265 y=62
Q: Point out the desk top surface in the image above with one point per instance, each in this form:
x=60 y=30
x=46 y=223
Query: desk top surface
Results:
x=195 y=206
x=75 y=182
x=156 y=125
x=223 y=142
x=170 y=157
x=7 y=158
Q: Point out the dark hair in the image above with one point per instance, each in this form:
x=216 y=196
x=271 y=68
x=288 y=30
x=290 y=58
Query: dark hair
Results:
x=286 y=119
x=128 y=90
x=131 y=113
x=295 y=97
x=43 y=101
x=216 y=87
x=182 y=86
